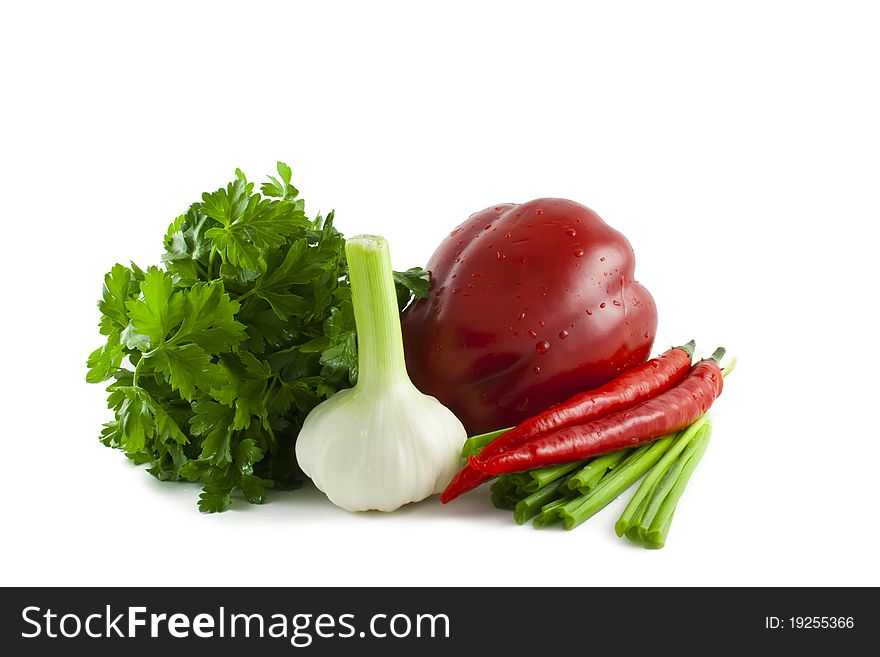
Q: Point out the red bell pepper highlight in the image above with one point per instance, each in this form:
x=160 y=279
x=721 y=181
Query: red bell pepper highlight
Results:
x=632 y=387
x=664 y=414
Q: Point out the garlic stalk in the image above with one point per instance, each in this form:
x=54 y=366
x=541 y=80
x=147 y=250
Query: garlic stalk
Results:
x=382 y=443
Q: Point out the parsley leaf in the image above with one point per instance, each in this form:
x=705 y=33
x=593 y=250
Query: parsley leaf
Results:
x=411 y=282
x=215 y=359
x=156 y=311
x=280 y=188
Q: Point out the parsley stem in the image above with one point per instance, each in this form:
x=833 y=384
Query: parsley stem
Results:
x=137 y=368
x=273 y=439
x=205 y=275
x=246 y=294
x=137 y=371
x=271 y=383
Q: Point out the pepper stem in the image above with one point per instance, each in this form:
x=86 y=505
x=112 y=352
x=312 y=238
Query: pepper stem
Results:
x=717 y=355
x=380 y=341
x=688 y=348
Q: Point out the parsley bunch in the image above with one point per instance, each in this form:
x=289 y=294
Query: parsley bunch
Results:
x=217 y=358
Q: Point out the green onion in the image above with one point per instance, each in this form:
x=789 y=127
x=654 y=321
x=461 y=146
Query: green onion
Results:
x=475 y=444
x=528 y=507
x=635 y=510
x=656 y=534
x=517 y=481
x=504 y=495
x=549 y=513
x=543 y=476
x=578 y=510
x=502 y=501
x=638 y=531
x=585 y=480
x=574 y=492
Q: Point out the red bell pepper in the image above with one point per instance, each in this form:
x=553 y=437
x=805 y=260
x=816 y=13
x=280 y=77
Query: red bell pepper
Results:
x=529 y=305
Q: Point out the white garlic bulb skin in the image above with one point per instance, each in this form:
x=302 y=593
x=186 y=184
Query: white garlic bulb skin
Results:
x=379 y=452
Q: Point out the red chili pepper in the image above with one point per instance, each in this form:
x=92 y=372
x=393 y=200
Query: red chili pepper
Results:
x=633 y=386
x=661 y=415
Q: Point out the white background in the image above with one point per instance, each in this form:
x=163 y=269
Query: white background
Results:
x=737 y=145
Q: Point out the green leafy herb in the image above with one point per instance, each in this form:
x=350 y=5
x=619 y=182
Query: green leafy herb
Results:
x=216 y=359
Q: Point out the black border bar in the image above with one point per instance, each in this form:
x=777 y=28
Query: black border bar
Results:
x=514 y=620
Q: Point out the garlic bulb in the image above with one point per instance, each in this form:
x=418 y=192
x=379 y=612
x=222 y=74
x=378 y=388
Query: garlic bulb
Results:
x=382 y=443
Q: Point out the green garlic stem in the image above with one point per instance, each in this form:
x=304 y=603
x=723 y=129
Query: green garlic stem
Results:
x=380 y=341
